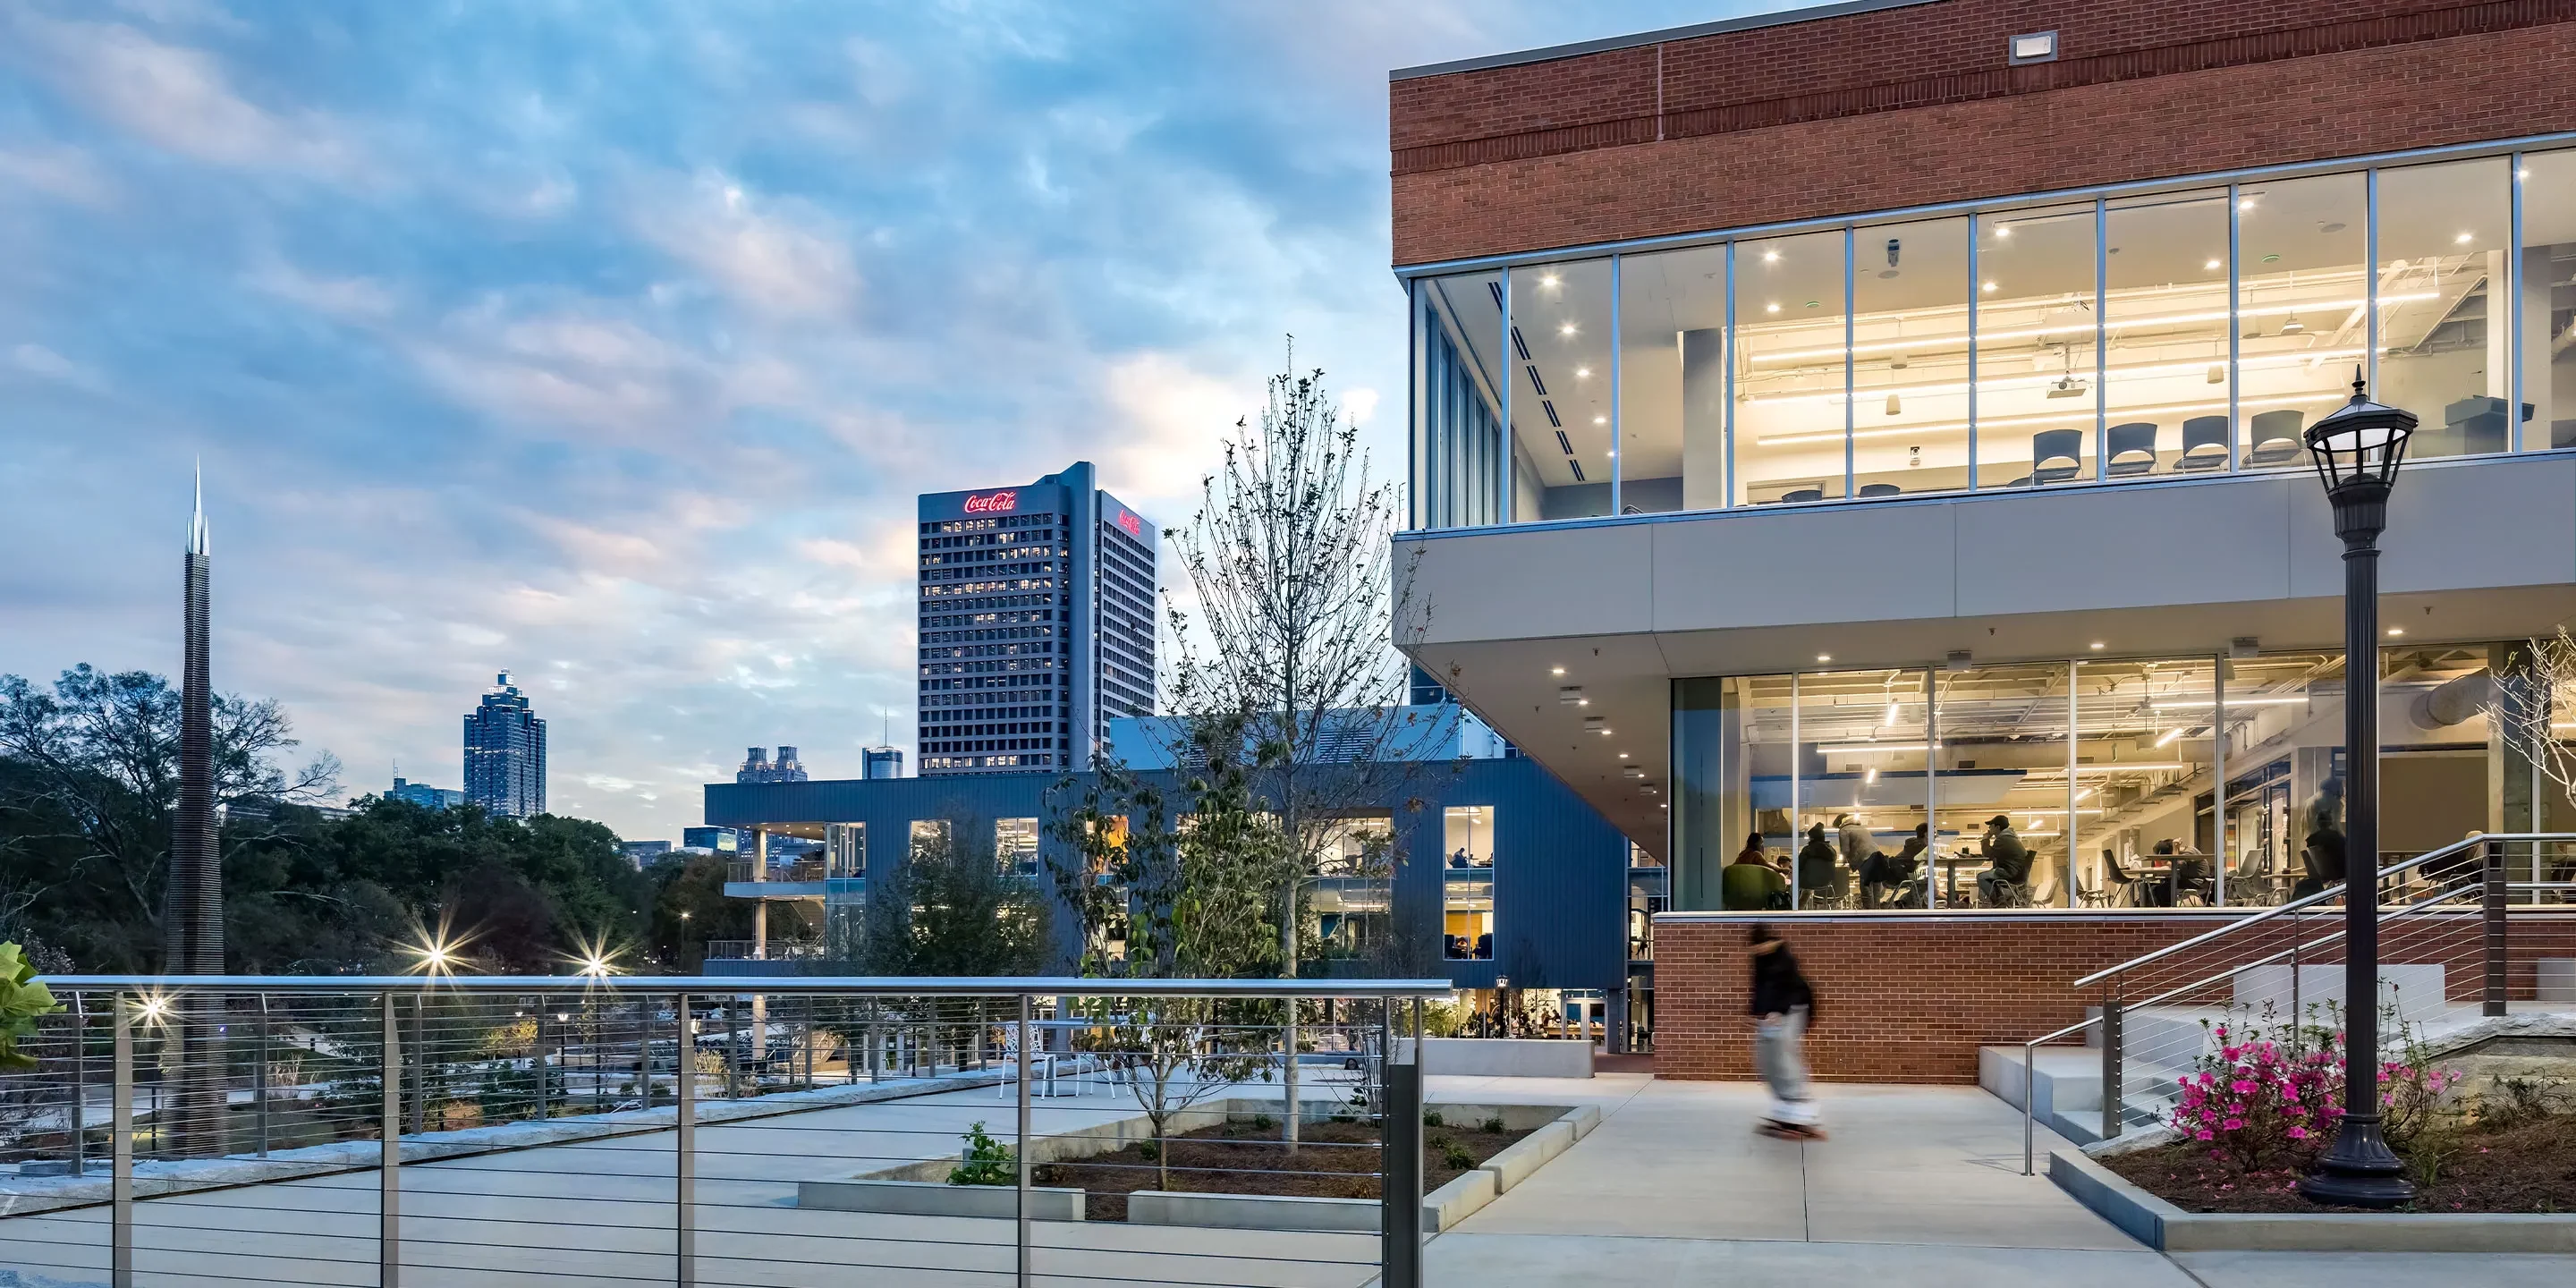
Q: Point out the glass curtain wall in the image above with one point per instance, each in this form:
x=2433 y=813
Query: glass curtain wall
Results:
x=2144 y=335
x=2142 y=823
x=1467 y=883
x=1559 y=405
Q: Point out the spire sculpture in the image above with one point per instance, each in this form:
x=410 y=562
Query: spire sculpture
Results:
x=192 y=919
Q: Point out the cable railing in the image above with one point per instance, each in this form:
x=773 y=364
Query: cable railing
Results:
x=715 y=1131
x=2471 y=931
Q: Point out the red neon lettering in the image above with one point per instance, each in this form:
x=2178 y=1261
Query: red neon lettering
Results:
x=1127 y=519
x=993 y=503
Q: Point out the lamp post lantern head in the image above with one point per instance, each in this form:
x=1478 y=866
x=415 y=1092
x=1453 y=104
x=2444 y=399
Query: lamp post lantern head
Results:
x=2356 y=452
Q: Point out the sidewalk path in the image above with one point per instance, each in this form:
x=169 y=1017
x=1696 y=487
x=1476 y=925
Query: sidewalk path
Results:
x=1920 y=1187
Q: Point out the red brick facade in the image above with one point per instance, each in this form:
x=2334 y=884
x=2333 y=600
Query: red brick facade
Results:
x=1915 y=105
x=1910 y=999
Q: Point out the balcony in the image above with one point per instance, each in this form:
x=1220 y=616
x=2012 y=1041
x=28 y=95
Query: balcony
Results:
x=745 y=950
x=802 y=879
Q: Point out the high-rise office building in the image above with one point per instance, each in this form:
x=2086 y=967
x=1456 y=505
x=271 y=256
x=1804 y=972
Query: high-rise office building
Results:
x=881 y=762
x=505 y=753
x=424 y=795
x=757 y=767
x=1037 y=623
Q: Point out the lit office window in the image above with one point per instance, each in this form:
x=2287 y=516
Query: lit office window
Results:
x=1672 y=380
x=1015 y=845
x=2038 y=356
x=2547 y=314
x=1467 y=879
x=1909 y=358
x=1458 y=391
x=2446 y=354
x=1561 y=461
x=929 y=833
x=1352 y=893
x=845 y=849
x=2301 y=311
x=1862 y=790
x=2167 y=368
x=1791 y=407
x=2140 y=823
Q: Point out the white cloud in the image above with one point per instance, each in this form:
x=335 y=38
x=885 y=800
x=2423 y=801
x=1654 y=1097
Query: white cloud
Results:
x=776 y=262
x=37 y=360
x=67 y=173
x=347 y=298
x=1171 y=421
x=179 y=99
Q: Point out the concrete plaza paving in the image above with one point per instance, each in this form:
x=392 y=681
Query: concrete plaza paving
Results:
x=1919 y=1186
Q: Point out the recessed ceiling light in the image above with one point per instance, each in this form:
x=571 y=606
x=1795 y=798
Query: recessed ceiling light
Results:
x=1567 y=329
x=2097 y=644
x=2523 y=173
x=1623 y=755
x=1583 y=373
x=2246 y=204
x=1772 y=307
x=1824 y=657
x=1549 y=280
x=2003 y=230
x=1600 y=420
x=1583 y=702
x=2463 y=239
x=2212 y=266
x=1556 y=670
x=1990 y=288
x=1770 y=257
x=2396 y=630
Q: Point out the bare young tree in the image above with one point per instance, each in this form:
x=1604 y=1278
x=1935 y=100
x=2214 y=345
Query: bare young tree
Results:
x=1289 y=556
x=2522 y=705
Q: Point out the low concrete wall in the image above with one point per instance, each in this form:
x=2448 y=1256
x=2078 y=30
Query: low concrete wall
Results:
x=930 y=1198
x=1252 y=1211
x=1524 y=1156
x=1502 y=1057
x=1454 y=1202
x=2168 y=1228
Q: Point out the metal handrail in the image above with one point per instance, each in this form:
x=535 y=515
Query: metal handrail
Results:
x=2294 y=949
x=789 y=985
x=2030 y=1081
x=2320 y=896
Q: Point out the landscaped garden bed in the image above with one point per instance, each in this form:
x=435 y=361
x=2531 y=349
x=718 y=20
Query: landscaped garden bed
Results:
x=2510 y=1167
x=1334 y=1159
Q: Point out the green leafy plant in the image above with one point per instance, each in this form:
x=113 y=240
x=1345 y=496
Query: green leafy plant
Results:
x=1454 y=1156
x=1261 y=1122
x=986 y=1161
x=1494 y=1124
x=1432 y=1118
x=23 y=997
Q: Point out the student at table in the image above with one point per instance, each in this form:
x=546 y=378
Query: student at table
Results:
x=2006 y=881
x=1878 y=872
x=1819 y=880
x=1750 y=883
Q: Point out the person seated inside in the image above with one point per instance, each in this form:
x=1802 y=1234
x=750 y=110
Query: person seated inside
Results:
x=1880 y=873
x=2323 y=860
x=2006 y=881
x=1819 y=877
x=1485 y=947
x=1750 y=882
x=2188 y=873
x=1459 y=860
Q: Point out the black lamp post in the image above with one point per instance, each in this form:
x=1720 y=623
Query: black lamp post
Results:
x=2357 y=451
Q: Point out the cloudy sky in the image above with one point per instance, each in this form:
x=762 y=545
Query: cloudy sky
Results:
x=610 y=342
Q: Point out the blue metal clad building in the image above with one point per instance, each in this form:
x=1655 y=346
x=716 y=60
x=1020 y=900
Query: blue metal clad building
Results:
x=1559 y=870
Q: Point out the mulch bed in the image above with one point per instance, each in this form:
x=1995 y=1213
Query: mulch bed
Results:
x=1334 y=1160
x=2527 y=1167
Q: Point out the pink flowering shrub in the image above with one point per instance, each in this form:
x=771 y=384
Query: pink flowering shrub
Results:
x=2269 y=1098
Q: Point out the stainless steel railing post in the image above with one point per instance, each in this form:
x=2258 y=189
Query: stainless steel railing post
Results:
x=121 y=1141
x=259 y=1081
x=80 y=1085
x=685 y=1147
x=2029 y=1098
x=1288 y=1078
x=2113 y=1035
x=2494 y=928
x=1021 y=1238
x=1400 y=1168
x=389 y=1160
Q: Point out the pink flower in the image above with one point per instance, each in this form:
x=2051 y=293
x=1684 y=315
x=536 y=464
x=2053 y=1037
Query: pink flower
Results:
x=2204 y=1134
x=2301 y=1133
x=2235 y=1124
x=2242 y=1086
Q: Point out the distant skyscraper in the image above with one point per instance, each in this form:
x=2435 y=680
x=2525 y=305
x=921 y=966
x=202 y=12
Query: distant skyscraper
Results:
x=713 y=840
x=192 y=918
x=757 y=767
x=641 y=853
x=881 y=762
x=1037 y=624
x=424 y=795
x=505 y=753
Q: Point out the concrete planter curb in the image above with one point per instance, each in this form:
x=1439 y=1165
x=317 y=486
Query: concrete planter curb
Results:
x=2167 y=1228
x=1515 y=1163
x=936 y=1198
x=1464 y=1196
x=1252 y=1212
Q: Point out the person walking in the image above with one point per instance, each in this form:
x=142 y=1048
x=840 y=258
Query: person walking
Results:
x=1784 y=1004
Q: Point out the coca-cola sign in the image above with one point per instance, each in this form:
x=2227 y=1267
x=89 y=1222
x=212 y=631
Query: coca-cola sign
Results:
x=1135 y=527
x=992 y=502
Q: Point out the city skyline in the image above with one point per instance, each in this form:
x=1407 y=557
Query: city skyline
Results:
x=620 y=365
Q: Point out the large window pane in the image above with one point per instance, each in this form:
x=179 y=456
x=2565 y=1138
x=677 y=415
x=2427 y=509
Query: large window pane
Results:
x=1731 y=742
x=1015 y=845
x=2165 y=296
x=1672 y=380
x=2141 y=823
x=1910 y=358
x=1790 y=410
x=1560 y=402
x=2444 y=234
x=1457 y=389
x=1862 y=789
x=2548 y=310
x=1467 y=881
x=2285 y=773
x=2003 y=732
x=2301 y=310
x=2036 y=347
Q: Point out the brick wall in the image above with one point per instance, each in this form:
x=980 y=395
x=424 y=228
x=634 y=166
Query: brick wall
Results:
x=1915 y=106
x=1910 y=999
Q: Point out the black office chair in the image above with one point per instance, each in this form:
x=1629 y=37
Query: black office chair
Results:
x=2051 y=445
x=2132 y=450
x=2204 y=444
x=2276 y=438
x=2117 y=879
x=1804 y=494
x=1879 y=489
x=1485 y=947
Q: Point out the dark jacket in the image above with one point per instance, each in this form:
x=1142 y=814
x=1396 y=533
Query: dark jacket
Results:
x=2004 y=851
x=1817 y=864
x=1778 y=986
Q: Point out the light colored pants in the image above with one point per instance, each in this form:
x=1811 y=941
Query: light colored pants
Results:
x=1778 y=1056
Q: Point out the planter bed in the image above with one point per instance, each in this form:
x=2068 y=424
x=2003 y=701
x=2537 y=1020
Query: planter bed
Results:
x=1339 y=1161
x=2167 y=1228
x=2528 y=1167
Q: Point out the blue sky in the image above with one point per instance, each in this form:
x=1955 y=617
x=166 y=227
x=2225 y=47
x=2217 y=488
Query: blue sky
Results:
x=609 y=342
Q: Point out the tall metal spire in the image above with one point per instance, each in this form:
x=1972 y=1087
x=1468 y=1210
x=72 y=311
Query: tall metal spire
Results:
x=198 y=542
x=192 y=914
